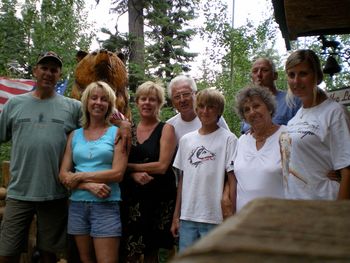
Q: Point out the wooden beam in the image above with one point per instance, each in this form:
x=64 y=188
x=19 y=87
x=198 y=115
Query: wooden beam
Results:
x=5 y=170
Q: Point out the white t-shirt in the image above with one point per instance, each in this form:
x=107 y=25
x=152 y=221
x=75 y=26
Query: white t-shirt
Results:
x=182 y=127
x=318 y=141
x=258 y=172
x=204 y=159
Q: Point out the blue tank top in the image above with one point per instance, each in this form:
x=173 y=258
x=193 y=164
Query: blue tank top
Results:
x=90 y=156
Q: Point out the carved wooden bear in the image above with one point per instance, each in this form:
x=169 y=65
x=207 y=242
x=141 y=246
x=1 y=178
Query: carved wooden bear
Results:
x=106 y=66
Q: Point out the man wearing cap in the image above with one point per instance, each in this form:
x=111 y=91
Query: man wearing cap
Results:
x=37 y=123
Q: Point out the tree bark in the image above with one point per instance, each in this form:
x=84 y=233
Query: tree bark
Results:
x=137 y=48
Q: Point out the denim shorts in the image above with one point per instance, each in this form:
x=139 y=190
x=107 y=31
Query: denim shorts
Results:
x=191 y=231
x=97 y=219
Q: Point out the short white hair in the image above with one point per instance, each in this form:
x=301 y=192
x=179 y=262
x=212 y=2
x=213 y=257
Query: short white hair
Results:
x=181 y=78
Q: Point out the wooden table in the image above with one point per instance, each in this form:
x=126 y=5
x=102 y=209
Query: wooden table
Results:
x=271 y=230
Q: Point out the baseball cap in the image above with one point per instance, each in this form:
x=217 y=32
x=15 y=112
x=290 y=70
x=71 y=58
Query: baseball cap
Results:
x=49 y=55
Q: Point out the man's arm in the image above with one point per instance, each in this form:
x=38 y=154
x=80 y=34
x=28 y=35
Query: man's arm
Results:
x=175 y=225
x=124 y=133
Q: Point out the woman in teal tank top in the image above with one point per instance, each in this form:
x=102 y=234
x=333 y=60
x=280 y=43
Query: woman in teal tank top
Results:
x=92 y=167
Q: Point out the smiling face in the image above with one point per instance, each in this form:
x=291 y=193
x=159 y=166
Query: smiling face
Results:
x=208 y=114
x=302 y=82
x=148 y=105
x=256 y=113
x=98 y=103
x=47 y=74
x=182 y=98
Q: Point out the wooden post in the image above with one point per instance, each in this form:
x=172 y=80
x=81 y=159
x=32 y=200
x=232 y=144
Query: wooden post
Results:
x=5 y=169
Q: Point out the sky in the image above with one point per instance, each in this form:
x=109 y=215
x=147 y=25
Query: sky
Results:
x=254 y=10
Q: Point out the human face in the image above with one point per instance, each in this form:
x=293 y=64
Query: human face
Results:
x=47 y=74
x=256 y=113
x=148 y=105
x=208 y=114
x=182 y=98
x=262 y=74
x=302 y=82
x=98 y=103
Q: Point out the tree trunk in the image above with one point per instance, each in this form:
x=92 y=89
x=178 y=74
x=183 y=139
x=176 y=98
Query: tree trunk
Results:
x=137 y=49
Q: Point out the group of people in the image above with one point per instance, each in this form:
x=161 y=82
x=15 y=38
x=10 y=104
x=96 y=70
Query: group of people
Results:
x=126 y=203
x=306 y=159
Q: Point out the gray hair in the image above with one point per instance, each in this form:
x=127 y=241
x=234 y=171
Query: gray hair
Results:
x=254 y=91
x=182 y=78
x=268 y=60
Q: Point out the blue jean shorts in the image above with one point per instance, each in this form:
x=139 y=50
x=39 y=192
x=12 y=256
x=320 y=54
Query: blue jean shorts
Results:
x=191 y=231
x=97 y=219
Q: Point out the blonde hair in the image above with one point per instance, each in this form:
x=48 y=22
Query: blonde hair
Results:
x=151 y=88
x=210 y=97
x=85 y=122
x=310 y=57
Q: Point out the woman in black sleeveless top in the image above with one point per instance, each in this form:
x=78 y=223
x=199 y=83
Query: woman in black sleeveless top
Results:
x=149 y=188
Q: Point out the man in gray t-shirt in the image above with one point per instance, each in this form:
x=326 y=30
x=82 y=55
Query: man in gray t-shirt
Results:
x=37 y=123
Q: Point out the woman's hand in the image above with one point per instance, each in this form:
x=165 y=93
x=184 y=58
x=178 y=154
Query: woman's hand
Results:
x=141 y=178
x=98 y=189
x=334 y=176
x=226 y=202
x=71 y=180
x=175 y=225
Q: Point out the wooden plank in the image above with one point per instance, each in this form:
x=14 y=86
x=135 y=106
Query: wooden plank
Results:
x=5 y=170
x=2 y=193
x=272 y=230
x=308 y=18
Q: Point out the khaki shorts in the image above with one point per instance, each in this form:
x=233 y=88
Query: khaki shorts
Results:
x=51 y=226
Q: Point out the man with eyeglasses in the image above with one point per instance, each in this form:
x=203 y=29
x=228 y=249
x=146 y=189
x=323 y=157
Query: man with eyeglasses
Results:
x=37 y=123
x=182 y=90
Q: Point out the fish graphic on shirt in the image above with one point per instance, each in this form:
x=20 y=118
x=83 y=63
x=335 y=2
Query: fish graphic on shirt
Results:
x=200 y=155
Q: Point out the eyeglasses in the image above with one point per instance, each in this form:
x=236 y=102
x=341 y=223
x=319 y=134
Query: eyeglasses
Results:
x=184 y=95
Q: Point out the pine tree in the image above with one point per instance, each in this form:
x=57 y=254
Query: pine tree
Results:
x=169 y=35
x=12 y=39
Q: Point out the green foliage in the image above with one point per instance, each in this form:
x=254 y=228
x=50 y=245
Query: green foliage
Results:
x=169 y=36
x=117 y=42
x=45 y=25
x=234 y=49
x=12 y=40
x=167 y=112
